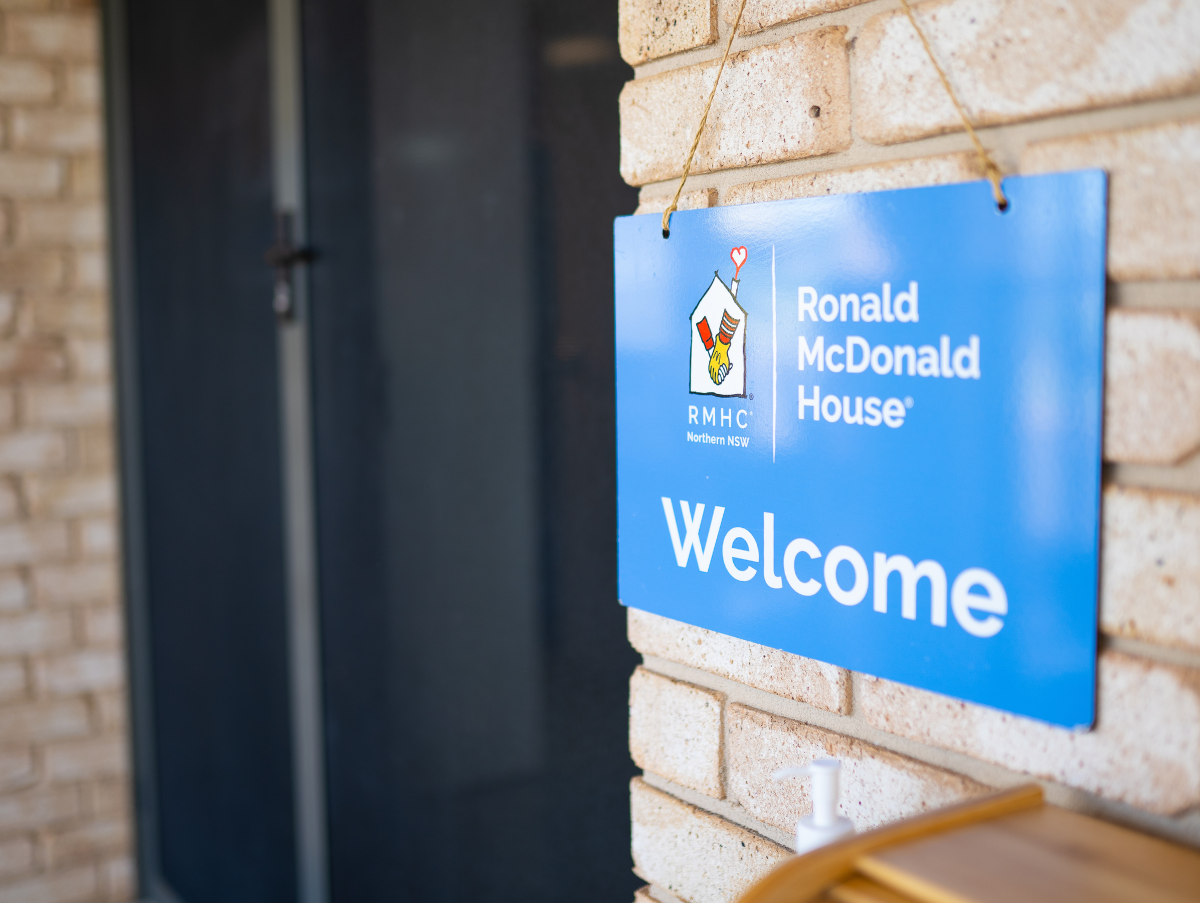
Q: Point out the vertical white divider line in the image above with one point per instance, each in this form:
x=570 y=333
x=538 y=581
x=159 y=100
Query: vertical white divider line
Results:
x=304 y=633
x=774 y=356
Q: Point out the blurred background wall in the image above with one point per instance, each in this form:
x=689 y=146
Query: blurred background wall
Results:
x=65 y=831
x=413 y=474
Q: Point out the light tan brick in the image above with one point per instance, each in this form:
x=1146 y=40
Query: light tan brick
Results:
x=75 y=312
x=16 y=767
x=34 y=722
x=26 y=4
x=90 y=270
x=34 y=632
x=697 y=856
x=63 y=770
x=877 y=786
x=762 y=14
x=1150 y=570
x=71 y=131
x=60 y=222
x=83 y=85
x=15 y=316
x=1144 y=750
x=94 y=839
x=55 y=35
x=1153 y=194
x=1151 y=386
x=37 y=807
x=54 y=887
x=675 y=731
x=110 y=796
x=68 y=584
x=763 y=111
x=31 y=358
x=74 y=404
x=98 y=536
x=96 y=448
x=649 y=29
x=16 y=856
x=689 y=200
x=8 y=409
x=32 y=450
x=87 y=176
x=25 y=81
x=80 y=759
x=31 y=269
x=82 y=671
x=1019 y=60
x=13 y=682
x=778 y=672
x=14 y=592
x=10 y=505
x=8 y=311
x=28 y=542
x=117 y=875
x=13 y=492
x=112 y=711
x=941 y=170
x=90 y=358
x=72 y=495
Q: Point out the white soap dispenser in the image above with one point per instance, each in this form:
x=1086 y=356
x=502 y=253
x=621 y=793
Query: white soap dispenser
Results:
x=824 y=825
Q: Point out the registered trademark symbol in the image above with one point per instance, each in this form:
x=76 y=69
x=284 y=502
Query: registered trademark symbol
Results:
x=752 y=396
x=908 y=401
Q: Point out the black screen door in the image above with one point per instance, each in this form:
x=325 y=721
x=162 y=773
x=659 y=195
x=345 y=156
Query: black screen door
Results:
x=458 y=184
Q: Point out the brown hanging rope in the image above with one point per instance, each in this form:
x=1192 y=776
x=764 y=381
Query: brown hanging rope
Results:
x=687 y=164
x=990 y=169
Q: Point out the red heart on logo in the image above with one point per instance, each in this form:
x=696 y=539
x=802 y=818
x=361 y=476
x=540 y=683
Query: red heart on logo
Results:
x=738 y=256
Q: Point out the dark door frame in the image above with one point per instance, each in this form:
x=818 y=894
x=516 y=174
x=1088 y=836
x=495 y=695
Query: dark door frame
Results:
x=287 y=151
x=296 y=454
x=119 y=160
x=574 y=371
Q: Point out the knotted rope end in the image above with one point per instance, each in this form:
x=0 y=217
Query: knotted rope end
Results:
x=998 y=194
x=994 y=175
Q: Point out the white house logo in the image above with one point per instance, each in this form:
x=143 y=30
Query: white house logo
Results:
x=718 y=350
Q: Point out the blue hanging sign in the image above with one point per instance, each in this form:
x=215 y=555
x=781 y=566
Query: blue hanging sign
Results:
x=866 y=429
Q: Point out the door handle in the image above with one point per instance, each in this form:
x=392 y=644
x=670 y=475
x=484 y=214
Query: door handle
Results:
x=284 y=256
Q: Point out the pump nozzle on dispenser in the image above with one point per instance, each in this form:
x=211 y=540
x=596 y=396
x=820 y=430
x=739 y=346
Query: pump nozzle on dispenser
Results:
x=824 y=825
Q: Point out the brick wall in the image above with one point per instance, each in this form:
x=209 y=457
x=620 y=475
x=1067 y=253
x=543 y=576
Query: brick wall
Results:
x=1076 y=83
x=64 y=812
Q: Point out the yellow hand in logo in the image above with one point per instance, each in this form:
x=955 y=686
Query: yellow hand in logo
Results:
x=718 y=361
